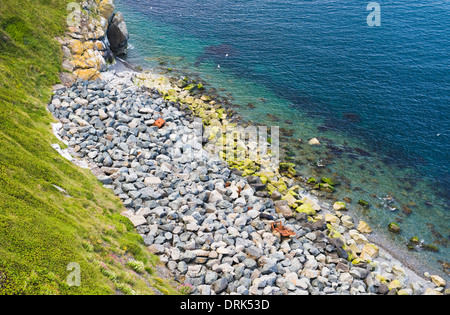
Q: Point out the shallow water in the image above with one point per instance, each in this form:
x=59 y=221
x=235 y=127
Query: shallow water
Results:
x=376 y=97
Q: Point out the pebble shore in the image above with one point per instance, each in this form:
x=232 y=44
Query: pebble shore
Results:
x=210 y=225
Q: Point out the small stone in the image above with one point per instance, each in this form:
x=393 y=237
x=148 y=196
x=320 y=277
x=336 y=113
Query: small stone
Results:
x=311 y=236
x=156 y=249
x=106 y=180
x=331 y=218
x=254 y=252
x=102 y=115
x=135 y=219
x=309 y=273
x=281 y=206
x=188 y=256
x=437 y=280
x=306 y=208
x=394 y=227
x=398 y=271
x=204 y=289
x=182 y=267
x=347 y=221
x=210 y=277
x=395 y=284
x=369 y=252
x=128 y=187
x=339 y=206
x=383 y=289
x=219 y=285
x=313 y=141
x=193 y=227
x=242 y=290
x=276 y=195
x=358 y=237
x=346 y=277
x=215 y=197
x=363 y=227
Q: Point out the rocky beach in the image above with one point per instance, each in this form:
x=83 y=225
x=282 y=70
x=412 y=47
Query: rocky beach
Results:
x=240 y=226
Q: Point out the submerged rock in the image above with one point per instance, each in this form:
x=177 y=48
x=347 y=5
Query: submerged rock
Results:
x=325 y=187
x=394 y=227
x=331 y=181
x=363 y=203
x=313 y=141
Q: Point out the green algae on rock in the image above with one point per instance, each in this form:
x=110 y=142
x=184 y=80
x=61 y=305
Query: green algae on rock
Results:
x=339 y=206
x=394 y=227
x=324 y=187
x=363 y=203
x=330 y=181
x=306 y=208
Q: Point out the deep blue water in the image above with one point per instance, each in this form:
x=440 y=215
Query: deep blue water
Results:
x=383 y=89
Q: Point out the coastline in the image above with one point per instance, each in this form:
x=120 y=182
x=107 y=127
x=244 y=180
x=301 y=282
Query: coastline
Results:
x=180 y=96
x=389 y=251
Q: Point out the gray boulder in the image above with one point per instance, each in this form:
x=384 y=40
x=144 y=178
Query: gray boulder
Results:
x=118 y=35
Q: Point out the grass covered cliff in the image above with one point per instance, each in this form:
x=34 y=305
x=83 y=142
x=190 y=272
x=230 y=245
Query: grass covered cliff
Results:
x=44 y=230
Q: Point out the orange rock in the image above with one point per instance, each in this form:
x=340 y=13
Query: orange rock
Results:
x=88 y=45
x=76 y=47
x=89 y=59
x=98 y=45
x=87 y=74
x=82 y=63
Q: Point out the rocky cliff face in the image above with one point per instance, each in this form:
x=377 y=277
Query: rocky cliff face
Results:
x=91 y=43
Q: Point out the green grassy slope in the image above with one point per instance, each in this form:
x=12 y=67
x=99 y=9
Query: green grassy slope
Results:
x=42 y=230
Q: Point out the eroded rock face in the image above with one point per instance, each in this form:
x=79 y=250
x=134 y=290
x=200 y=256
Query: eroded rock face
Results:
x=118 y=35
x=86 y=47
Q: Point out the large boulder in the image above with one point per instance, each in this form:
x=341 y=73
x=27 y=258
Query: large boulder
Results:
x=118 y=35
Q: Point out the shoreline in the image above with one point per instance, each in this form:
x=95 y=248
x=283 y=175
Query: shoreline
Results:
x=400 y=215
x=173 y=97
x=111 y=76
x=378 y=239
x=366 y=170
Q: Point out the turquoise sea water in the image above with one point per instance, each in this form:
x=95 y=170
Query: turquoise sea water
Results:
x=376 y=97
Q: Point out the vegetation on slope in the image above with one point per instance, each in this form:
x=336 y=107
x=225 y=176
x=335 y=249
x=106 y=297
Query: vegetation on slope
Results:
x=44 y=230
